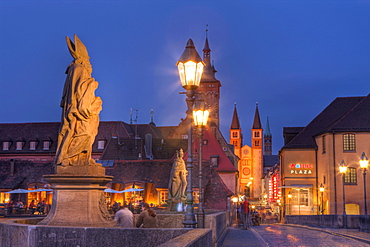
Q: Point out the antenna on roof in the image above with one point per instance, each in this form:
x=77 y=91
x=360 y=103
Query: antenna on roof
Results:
x=130 y=115
x=152 y=115
x=136 y=117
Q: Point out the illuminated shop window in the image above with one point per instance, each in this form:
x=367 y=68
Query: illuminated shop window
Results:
x=351 y=176
x=163 y=196
x=349 y=142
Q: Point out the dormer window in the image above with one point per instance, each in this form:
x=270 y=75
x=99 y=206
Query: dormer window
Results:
x=33 y=145
x=46 y=145
x=19 y=145
x=6 y=145
x=101 y=144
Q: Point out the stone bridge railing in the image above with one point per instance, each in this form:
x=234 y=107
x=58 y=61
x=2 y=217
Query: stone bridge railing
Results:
x=361 y=222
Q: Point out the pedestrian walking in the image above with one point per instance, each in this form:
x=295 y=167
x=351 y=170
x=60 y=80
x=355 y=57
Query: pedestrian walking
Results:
x=247 y=220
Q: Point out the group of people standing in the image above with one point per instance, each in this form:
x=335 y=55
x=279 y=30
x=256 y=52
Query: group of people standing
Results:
x=147 y=218
x=248 y=217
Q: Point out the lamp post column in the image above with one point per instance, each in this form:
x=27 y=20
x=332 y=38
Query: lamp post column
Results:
x=189 y=221
x=365 y=205
x=364 y=163
x=343 y=170
x=201 y=195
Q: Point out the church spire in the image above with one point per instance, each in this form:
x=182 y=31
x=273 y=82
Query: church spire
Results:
x=268 y=132
x=257 y=121
x=235 y=121
x=267 y=140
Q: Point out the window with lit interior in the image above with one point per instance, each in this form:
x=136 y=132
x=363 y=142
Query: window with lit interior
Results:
x=349 y=142
x=351 y=176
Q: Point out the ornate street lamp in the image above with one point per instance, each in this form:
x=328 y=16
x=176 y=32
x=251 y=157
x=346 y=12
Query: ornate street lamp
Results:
x=364 y=163
x=190 y=66
x=343 y=170
x=200 y=115
x=290 y=203
x=322 y=189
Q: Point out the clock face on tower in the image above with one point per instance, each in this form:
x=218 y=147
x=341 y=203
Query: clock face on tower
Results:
x=245 y=151
x=246 y=171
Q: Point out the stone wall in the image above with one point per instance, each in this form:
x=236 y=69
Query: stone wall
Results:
x=19 y=235
x=364 y=223
x=195 y=238
x=25 y=232
x=333 y=221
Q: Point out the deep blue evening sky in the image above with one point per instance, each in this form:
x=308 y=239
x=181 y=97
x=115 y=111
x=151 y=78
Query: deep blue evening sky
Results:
x=292 y=57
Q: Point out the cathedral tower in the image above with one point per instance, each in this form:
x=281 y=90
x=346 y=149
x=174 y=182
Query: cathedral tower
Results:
x=257 y=153
x=267 y=140
x=236 y=138
x=210 y=86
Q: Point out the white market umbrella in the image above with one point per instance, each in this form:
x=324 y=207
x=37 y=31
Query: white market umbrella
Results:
x=132 y=189
x=18 y=191
x=112 y=191
x=39 y=190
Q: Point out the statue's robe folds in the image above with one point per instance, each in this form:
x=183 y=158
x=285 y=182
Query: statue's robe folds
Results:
x=80 y=118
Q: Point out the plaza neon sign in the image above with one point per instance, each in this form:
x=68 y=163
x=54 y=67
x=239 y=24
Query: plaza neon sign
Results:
x=301 y=169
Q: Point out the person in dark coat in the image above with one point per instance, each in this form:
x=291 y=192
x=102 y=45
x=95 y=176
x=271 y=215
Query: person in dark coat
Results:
x=147 y=218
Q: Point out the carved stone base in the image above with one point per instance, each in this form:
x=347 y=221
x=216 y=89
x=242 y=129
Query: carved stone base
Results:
x=78 y=200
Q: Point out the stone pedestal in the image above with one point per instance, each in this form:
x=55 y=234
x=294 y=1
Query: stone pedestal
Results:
x=78 y=197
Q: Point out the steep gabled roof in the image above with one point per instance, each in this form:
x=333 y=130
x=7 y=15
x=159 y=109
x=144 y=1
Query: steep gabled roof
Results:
x=235 y=124
x=213 y=147
x=340 y=115
x=257 y=121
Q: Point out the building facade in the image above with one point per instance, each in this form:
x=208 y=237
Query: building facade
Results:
x=311 y=157
x=250 y=164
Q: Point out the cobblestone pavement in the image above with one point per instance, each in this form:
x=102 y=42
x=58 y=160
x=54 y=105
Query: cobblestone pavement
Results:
x=293 y=235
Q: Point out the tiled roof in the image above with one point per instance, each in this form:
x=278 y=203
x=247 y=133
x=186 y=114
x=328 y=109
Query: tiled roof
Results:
x=343 y=114
x=270 y=160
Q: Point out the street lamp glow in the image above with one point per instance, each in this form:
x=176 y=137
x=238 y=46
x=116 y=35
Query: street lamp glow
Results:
x=342 y=167
x=364 y=161
x=190 y=67
x=322 y=189
x=200 y=117
x=235 y=199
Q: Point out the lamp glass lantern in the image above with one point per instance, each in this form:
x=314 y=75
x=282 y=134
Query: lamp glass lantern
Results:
x=200 y=117
x=342 y=167
x=190 y=67
x=322 y=189
x=364 y=161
